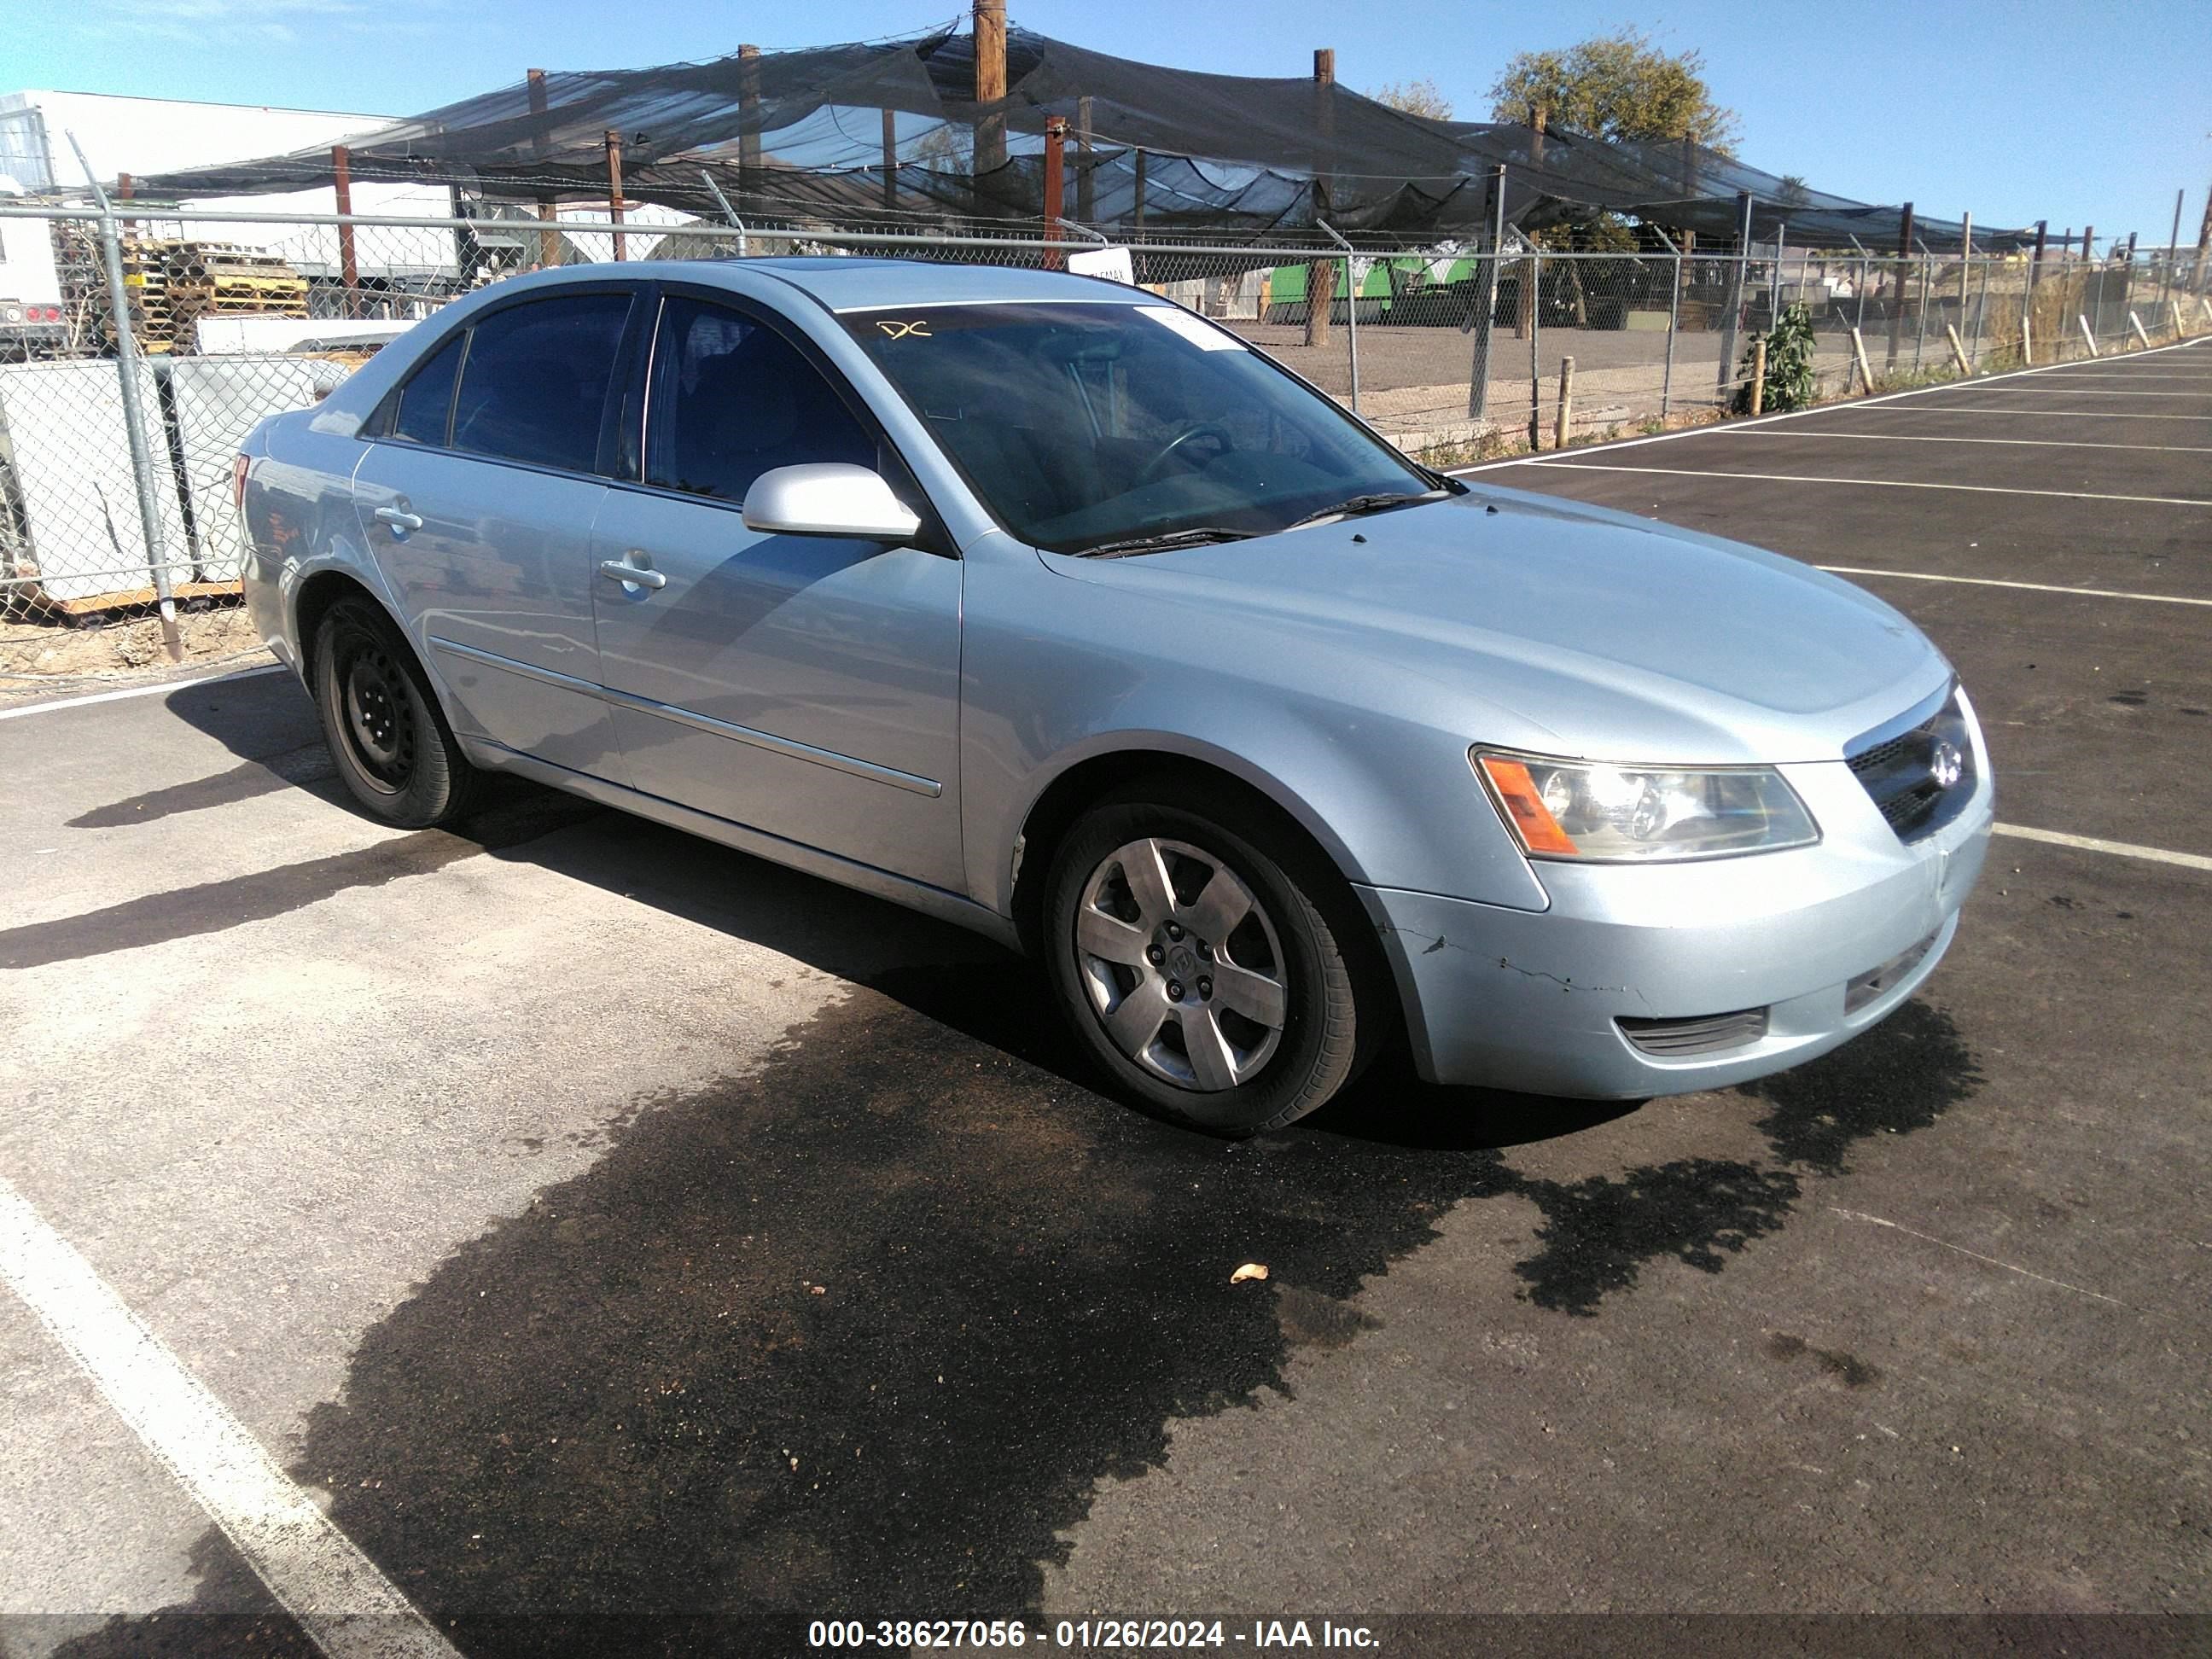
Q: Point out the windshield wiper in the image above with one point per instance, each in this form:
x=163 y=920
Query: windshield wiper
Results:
x=1373 y=502
x=1162 y=543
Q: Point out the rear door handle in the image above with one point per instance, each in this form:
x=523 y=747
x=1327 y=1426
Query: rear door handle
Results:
x=621 y=570
x=400 y=518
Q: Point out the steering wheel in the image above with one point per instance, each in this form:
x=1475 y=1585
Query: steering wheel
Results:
x=1213 y=429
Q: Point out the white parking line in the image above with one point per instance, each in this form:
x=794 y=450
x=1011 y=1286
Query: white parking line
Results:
x=2028 y=443
x=1874 y=484
x=2070 y=390
x=2032 y=587
x=2147 y=374
x=321 y=1578
x=59 y=703
x=1961 y=408
x=1889 y=399
x=2126 y=850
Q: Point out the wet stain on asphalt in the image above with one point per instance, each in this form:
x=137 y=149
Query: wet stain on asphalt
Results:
x=516 y=818
x=860 y=1330
x=1846 y=1368
x=310 y=763
x=1895 y=1080
x=1598 y=1233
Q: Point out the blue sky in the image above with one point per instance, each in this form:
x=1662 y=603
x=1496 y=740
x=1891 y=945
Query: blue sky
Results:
x=2037 y=108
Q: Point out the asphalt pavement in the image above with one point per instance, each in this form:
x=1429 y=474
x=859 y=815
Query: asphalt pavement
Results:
x=614 y=1237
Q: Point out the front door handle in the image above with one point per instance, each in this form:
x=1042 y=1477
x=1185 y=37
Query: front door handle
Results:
x=621 y=570
x=399 y=519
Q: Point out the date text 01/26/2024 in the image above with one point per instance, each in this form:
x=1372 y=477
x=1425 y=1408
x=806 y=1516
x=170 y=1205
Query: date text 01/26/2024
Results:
x=1090 y=1634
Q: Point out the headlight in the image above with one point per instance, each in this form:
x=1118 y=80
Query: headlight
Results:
x=1586 y=810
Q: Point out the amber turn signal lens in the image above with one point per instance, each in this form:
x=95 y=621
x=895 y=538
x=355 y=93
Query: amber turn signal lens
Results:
x=1518 y=792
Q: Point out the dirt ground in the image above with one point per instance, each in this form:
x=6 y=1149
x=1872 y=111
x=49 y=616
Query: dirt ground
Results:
x=43 y=655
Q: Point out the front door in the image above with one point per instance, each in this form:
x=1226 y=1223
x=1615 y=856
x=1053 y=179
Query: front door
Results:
x=478 y=501
x=805 y=686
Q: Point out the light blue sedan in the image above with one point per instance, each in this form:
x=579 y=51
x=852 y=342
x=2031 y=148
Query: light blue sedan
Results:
x=1050 y=608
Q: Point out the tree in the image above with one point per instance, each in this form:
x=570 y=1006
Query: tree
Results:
x=1422 y=97
x=1616 y=86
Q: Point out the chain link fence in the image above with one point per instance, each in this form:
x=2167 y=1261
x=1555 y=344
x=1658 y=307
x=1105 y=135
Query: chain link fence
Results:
x=157 y=338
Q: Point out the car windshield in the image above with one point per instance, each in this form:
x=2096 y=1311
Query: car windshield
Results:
x=1096 y=426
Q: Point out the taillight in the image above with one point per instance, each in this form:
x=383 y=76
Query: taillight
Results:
x=237 y=468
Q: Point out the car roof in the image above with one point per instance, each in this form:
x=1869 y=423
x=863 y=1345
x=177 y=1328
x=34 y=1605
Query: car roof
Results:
x=862 y=284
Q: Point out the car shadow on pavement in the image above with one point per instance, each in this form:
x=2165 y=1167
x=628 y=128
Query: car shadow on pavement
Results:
x=860 y=1328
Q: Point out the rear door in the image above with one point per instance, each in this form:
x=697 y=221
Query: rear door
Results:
x=477 y=498
x=806 y=686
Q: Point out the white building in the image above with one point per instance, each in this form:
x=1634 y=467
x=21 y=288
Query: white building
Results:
x=144 y=135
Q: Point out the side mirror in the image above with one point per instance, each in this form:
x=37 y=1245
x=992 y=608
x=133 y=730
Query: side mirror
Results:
x=828 y=498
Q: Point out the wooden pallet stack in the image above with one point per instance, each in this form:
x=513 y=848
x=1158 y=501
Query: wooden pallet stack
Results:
x=173 y=284
x=232 y=282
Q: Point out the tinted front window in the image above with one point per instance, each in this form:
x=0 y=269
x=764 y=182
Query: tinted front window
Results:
x=536 y=385
x=732 y=399
x=427 y=400
x=1086 y=423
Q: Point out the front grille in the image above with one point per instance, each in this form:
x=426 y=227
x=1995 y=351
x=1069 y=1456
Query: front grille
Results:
x=1672 y=1039
x=1899 y=768
x=1872 y=982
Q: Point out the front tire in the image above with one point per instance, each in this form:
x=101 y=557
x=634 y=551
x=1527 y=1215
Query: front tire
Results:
x=392 y=747
x=1199 y=954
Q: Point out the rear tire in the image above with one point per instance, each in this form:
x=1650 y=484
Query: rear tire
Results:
x=382 y=722
x=1199 y=952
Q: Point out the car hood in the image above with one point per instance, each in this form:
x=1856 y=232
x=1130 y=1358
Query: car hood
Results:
x=1571 y=625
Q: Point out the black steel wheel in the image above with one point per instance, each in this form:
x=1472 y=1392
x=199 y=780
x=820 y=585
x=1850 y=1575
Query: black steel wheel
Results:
x=382 y=719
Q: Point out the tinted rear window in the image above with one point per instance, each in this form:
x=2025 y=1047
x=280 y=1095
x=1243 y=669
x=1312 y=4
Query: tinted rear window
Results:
x=426 y=403
x=536 y=386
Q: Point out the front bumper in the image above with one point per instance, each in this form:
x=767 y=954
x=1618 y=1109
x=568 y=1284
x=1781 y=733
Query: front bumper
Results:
x=1529 y=999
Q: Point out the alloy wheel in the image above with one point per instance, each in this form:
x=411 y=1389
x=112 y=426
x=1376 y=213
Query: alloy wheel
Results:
x=1182 y=965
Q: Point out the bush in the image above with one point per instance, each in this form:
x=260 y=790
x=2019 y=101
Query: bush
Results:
x=1789 y=378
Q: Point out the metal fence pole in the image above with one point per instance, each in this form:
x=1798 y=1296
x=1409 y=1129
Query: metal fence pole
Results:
x=1535 y=361
x=1674 y=317
x=1965 y=268
x=1982 y=309
x=1736 y=289
x=1477 y=394
x=1351 y=310
x=1858 y=321
x=131 y=371
x=1920 y=345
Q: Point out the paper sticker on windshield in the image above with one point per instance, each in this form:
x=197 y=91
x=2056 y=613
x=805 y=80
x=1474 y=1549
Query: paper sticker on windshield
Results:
x=1197 y=331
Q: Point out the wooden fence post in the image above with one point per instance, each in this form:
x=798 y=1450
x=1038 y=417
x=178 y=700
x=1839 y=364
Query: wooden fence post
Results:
x=1957 y=349
x=342 y=189
x=1320 y=275
x=1858 y=358
x=2135 y=323
x=1759 y=376
x=750 y=182
x=1055 y=188
x=615 y=203
x=1566 y=403
x=990 y=33
x=1086 y=194
x=549 y=241
x=2088 y=336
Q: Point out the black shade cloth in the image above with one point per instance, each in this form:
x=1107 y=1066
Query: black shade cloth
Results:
x=798 y=135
